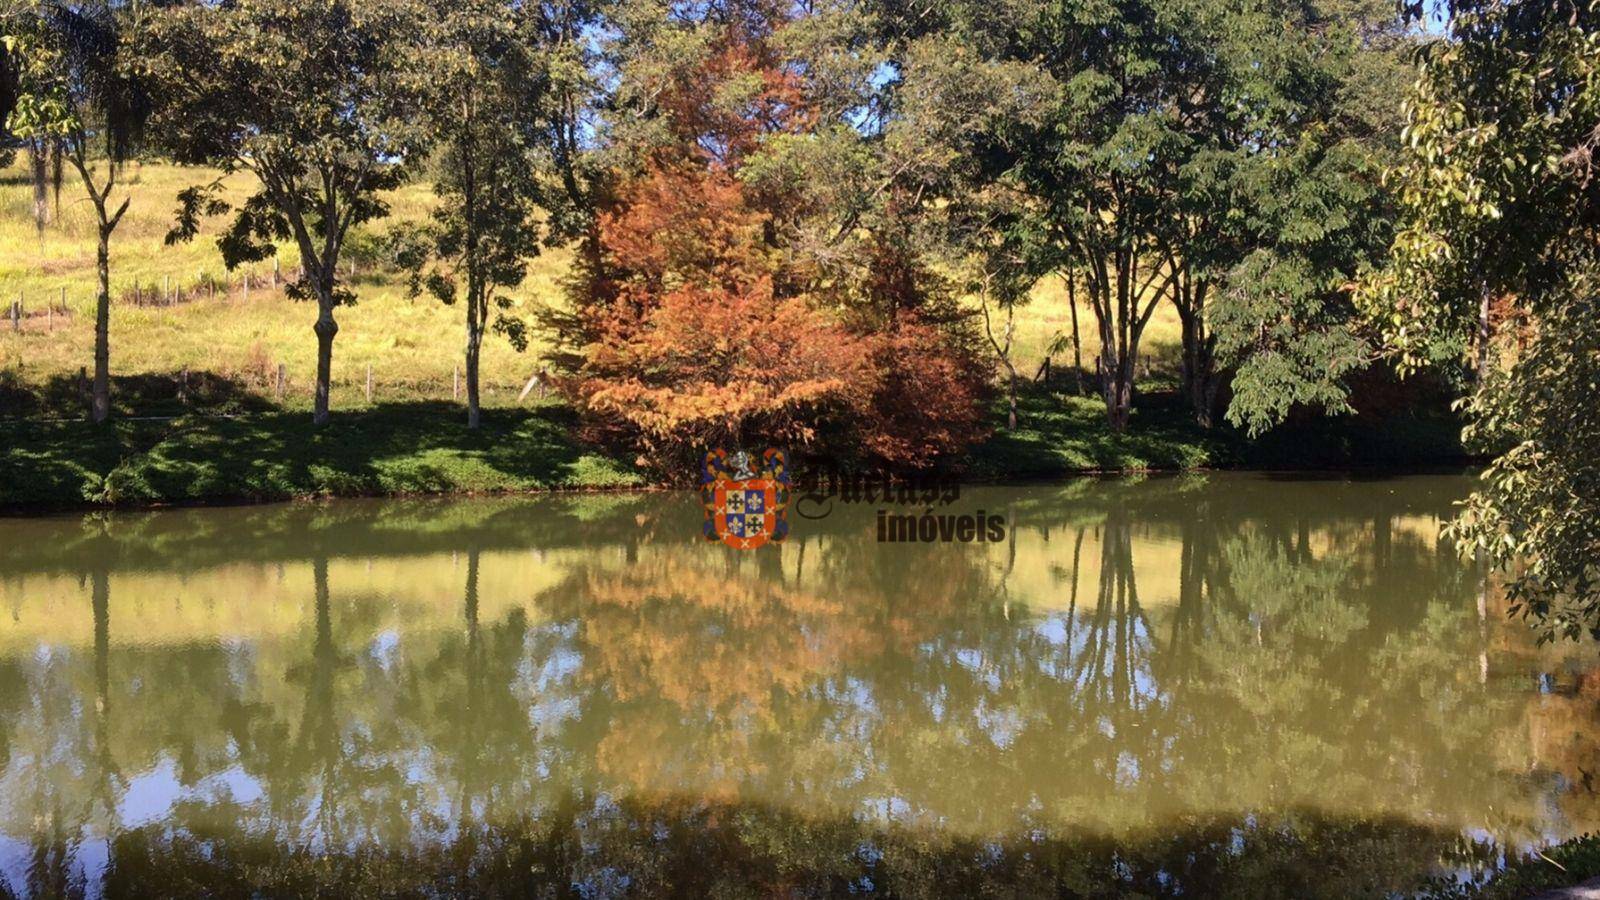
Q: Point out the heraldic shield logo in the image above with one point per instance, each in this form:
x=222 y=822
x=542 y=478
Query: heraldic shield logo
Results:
x=745 y=507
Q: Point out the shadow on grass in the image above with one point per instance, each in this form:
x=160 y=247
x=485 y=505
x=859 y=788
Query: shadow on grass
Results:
x=394 y=448
x=146 y=394
x=1061 y=434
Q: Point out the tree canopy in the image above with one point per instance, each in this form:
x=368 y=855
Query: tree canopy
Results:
x=319 y=100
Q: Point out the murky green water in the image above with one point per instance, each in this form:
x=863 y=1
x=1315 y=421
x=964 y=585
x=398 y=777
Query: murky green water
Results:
x=1239 y=685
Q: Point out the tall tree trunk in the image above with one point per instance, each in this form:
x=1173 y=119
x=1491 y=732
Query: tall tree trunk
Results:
x=1011 y=418
x=1077 y=345
x=1199 y=383
x=1002 y=349
x=325 y=329
x=38 y=156
x=475 y=316
x=100 y=406
x=1118 y=347
x=1119 y=395
x=1011 y=368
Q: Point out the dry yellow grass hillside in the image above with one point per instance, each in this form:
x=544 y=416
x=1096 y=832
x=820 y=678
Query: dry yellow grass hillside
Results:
x=412 y=344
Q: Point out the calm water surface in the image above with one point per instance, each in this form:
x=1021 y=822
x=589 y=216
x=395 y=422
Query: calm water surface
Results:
x=1240 y=685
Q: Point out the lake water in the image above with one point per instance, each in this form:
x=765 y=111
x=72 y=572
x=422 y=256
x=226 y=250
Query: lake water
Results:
x=1220 y=684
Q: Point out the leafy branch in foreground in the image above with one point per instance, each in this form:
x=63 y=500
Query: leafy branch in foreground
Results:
x=1501 y=207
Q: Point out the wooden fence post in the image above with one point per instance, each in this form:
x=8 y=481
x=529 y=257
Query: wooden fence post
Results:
x=455 y=383
x=282 y=374
x=274 y=272
x=528 y=388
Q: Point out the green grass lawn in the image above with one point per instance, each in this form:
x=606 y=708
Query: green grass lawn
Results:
x=1060 y=434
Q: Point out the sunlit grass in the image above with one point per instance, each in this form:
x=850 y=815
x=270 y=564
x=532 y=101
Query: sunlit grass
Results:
x=1047 y=316
x=413 y=345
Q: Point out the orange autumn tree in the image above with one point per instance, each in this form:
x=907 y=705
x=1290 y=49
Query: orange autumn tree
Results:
x=697 y=321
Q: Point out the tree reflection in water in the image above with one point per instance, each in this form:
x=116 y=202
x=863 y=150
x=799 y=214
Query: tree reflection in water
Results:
x=1221 y=685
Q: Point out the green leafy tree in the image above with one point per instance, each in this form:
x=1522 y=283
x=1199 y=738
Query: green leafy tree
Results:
x=1499 y=201
x=319 y=100
x=1171 y=152
x=1100 y=152
x=71 y=96
x=1104 y=168
x=1281 y=205
x=493 y=83
x=948 y=114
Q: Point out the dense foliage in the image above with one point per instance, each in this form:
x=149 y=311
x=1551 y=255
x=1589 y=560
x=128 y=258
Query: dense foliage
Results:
x=1497 y=253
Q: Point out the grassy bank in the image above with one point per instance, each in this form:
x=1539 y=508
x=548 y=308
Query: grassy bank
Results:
x=424 y=447
x=392 y=449
x=190 y=342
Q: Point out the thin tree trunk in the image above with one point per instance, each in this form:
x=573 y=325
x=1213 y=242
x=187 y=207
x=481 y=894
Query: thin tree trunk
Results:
x=325 y=329
x=1119 y=396
x=1199 y=383
x=38 y=156
x=1077 y=345
x=1011 y=418
x=474 y=345
x=100 y=395
x=1011 y=368
x=1002 y=349
x=100 y=405
x=1116 y=367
